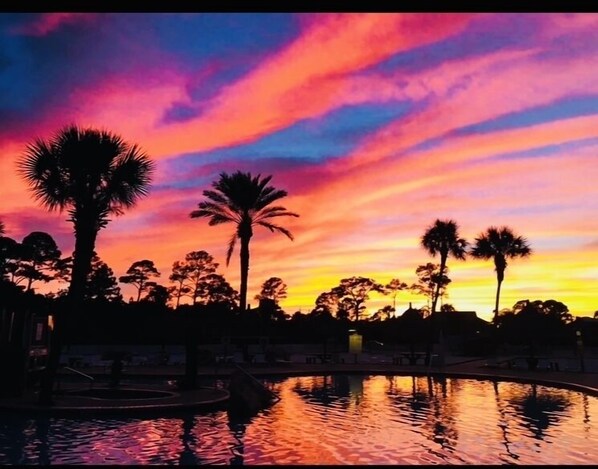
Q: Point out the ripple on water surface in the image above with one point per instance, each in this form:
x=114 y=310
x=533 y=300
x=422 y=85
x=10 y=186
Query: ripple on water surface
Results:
x=338 y=419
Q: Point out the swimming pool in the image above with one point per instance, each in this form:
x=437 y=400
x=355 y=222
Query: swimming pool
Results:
x=334 y=419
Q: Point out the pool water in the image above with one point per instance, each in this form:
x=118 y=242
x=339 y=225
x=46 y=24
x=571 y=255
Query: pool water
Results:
x=334 y=419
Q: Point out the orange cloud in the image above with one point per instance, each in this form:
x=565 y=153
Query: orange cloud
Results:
x=471 y=91
x=293 y=85
x=364 y=213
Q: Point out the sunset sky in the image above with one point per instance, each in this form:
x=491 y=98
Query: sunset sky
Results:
x=375 y=124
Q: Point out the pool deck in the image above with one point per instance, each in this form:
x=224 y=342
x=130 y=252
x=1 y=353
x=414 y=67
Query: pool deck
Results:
x=210 y=398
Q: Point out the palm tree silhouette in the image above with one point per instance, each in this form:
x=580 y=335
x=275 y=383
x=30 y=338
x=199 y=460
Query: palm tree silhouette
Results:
x=443 y=238
x=244 y=200
x=91 y=174
x=2 y=229
x=500 y=244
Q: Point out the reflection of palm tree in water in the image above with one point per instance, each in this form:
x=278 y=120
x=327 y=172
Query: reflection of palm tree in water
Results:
x=441 y=424
x=339 y=390
x=22 y=451
x=321 y=391
x=586 y=413
x=16 y=451
x=503 y=422
x=42 y=430
x=419 y=400
x=238 y=426
x=541 y=410
x=188 y=456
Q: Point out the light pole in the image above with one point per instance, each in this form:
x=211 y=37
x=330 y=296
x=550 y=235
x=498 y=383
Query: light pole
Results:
x=580 y=351
x=355 y=343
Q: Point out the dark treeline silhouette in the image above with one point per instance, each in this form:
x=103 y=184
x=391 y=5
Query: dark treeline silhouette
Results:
x=533 y=325
x=101 y=321
x=94 y=175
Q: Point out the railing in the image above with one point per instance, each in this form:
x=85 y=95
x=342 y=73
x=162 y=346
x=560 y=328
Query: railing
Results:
x=274 y=396
x=80 y=373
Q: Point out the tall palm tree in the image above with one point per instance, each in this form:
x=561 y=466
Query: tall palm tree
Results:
x=443 y=238
x=500 y=244
x=2 y=229
x=244 y=200
x=91 y=174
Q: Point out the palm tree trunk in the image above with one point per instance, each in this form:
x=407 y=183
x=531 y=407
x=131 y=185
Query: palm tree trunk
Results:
x=191 y=362
x=500 y=265
x=244 y=271
x=497 y=298
x=437 y=292
x=84 y=246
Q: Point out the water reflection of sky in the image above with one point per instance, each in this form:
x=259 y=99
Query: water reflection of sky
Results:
x=335 y=419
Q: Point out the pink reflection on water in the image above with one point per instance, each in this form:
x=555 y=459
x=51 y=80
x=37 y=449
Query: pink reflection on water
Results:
x=336 y=419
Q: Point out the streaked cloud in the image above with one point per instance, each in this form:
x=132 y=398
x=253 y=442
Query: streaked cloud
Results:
x=376 y=124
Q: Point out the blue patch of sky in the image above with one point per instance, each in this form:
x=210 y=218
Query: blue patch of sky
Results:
x=334 y=134
x=529 y=209
x=180 y=113
x=43 y=69
x=213 y=35
x=310 y=140
x=18 y=94
x=557 y=243
x=231 y=45
x=17 y=67
x=562 y=109
x=558 y=150
x=576 y=106
x=483 y=36
x=547 y=150
x=37 y=69
x=427 y=145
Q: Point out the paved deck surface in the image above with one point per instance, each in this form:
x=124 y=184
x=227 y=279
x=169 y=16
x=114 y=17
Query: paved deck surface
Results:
x=217 y=397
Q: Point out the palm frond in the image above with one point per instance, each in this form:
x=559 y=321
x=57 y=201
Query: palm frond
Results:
x=45 y=174
x=215 y=196
x=267 y=199
x=130 y=178
x=86 y=170
x=500 y=242
x=273 y=212
x=211 y=209
x=231 y=247
x=272 y=227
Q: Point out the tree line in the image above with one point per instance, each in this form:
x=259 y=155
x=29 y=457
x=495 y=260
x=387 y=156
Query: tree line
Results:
x=94 y=175
x=38 y=259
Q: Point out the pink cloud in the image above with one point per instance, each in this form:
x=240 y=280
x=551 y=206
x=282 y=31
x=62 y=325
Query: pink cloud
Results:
x=293 y=85
x=298 y=82
x=364 y=214
x=47 y=23
x=470 y=91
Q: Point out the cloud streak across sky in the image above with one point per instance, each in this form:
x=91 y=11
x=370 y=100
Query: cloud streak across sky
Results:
x=376 y=125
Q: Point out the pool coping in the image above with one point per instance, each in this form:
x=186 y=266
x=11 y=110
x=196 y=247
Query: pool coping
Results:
x=201 y=398
x=204 y=398
x=523 y=378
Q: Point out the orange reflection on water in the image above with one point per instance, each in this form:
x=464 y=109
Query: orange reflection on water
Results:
x=336 y=419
